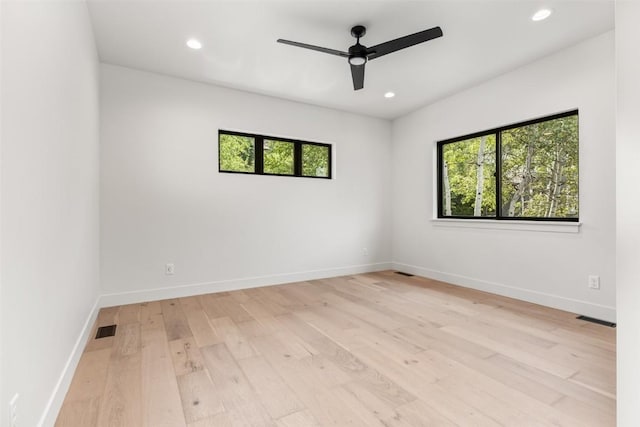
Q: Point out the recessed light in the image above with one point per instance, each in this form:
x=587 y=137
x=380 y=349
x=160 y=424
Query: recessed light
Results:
x=541 y=15
x=389 y=95
x=194 y=44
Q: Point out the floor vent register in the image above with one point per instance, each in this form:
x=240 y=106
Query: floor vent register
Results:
x=598 y=321
x=106 y=331
x=404 y=274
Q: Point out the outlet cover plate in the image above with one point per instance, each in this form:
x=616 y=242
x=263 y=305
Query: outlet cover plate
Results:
x=169 y=269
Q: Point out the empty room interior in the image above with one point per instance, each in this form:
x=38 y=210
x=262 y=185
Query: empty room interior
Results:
x=211 y=215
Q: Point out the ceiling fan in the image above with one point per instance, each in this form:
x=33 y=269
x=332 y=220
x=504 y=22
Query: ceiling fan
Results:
x=358 y=55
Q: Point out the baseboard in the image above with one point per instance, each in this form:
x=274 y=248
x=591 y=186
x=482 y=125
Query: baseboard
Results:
x=109 y=300
x=60 y=390
x=549 y=300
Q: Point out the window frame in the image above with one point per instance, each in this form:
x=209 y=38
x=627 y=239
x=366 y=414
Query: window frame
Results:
x=498 y=173
x=259 y=155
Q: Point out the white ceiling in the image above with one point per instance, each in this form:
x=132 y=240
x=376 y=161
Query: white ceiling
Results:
x=482 y=39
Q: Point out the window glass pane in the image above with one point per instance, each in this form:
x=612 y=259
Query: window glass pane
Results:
x=315 y=160
x=278 y=157
x=540 y=169
x=237 y=153
x=468 y=182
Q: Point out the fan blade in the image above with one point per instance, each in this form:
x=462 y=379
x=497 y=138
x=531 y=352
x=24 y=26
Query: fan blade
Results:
x=357 y=74
x=312 y=47
x=403 y=42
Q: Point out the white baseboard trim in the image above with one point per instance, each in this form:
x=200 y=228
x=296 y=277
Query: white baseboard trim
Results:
x=62 y=386
x=549 y=300
x=109 y=300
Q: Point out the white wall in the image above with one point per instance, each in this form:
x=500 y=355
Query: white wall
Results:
x=539 y=266
x=2 y=415
x=163 y=199
x=628 y=210
x=49 y=190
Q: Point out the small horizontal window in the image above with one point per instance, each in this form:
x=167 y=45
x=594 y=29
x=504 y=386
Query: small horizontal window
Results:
x=237 y=153
x=266 y=155
x=315 y=160
x=526 y=171
x=278 y=157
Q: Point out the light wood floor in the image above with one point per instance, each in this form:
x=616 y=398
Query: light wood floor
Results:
x=366 y=350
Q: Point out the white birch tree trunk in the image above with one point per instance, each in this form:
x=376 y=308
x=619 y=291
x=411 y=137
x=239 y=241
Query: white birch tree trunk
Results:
x=446 y=189
x=524 y=183
x=557 y=181
x=477 y=210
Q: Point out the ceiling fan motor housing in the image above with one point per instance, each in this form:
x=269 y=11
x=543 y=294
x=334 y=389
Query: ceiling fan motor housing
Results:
x=357 y=54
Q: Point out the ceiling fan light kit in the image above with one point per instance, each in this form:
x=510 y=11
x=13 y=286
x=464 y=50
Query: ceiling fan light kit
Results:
x=358 y=55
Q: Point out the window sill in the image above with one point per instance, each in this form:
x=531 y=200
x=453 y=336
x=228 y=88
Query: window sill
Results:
x=546 y=226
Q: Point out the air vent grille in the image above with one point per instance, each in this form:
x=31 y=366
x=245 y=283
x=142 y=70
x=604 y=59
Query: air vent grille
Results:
x=598 y=321
x=404 y=274
x=106 y=331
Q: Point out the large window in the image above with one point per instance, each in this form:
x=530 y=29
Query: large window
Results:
x=266 y=155
x=526 y=171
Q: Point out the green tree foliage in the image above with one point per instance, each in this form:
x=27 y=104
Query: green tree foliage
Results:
x=315 y=160
x=237 y=153
x=461 y=162
x=539 y=169
x=278 y=157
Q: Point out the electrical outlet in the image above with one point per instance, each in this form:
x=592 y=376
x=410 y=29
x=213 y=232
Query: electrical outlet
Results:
x=13 y=411
x=594 y=282
x=365 y=252
x=169 y=269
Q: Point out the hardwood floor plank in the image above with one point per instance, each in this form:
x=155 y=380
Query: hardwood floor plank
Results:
x=160 y=397
x=82 y=402
x=509 y=406
x=376 y=408
x=128 y=314
x=429 y=337
x=406 y=375
x=186 y=356
x=83 y=412
x=376 y=349
x=121 y=404
x=313 y=368
x=298 y=419
x=606 y=404
x=200 y=398
x=267 y=383
x=598 y=381
x=227 y=306
x=148 y=309
x=553 y=367
x=235 y=341
x=586 y=414
x=199 y=324
x=175 y=322
x=270 y=301
x=418 y=413
x=90 y=376
x=219 y=420
x=352 y=365
x=237 y=395
x=259 y=326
